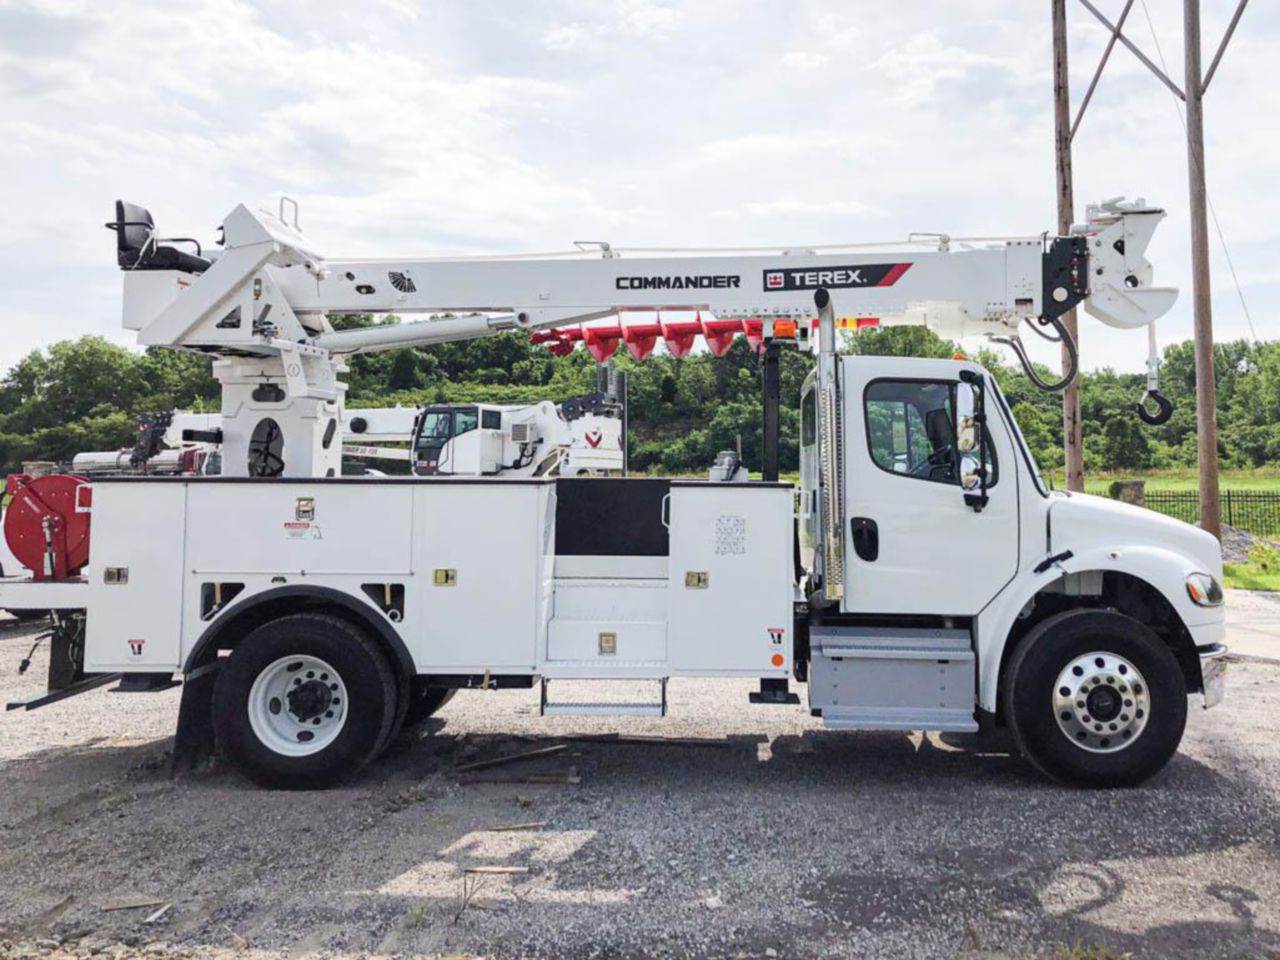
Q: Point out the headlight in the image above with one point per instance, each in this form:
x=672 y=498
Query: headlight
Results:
x=1203 y=590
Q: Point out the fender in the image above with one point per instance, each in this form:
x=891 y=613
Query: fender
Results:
x=1165 y=570
x=364 y=612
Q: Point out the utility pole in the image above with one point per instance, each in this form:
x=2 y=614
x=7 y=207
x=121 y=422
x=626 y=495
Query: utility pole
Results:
x=1196 y=83
x=1072 y=429
x=1206 y=399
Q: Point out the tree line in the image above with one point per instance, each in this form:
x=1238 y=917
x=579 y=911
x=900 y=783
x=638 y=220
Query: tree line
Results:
x=87 y=394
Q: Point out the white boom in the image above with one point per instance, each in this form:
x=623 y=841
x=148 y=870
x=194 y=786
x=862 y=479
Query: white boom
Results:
x=260 y=305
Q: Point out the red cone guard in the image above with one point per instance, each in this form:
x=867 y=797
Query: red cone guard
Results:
x=641 y=338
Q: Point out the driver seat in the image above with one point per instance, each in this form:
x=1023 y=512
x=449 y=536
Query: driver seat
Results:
x=937 y=426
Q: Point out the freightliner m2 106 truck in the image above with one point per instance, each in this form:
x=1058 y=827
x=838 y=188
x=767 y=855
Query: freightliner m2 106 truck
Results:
x=922 y=577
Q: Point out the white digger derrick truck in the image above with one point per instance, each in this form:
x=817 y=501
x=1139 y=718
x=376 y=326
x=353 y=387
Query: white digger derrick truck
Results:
x=581 y=436
x=935 y=581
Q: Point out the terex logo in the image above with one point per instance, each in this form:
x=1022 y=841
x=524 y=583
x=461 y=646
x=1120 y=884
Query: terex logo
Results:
x=718 y=281
x=814 y=278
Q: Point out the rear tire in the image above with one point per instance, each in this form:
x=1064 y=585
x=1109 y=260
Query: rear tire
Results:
x=1096 y=699
x=304 y=702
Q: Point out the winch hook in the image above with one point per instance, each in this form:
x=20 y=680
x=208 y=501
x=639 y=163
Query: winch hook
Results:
x=1164 y=408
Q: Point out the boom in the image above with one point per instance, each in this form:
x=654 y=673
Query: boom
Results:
x=260 y=304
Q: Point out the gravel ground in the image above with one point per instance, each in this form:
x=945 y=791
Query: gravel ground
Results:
x=778 y=839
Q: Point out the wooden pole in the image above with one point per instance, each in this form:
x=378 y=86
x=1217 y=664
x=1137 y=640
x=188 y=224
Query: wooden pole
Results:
x=1072 y=432
x=1206 y=401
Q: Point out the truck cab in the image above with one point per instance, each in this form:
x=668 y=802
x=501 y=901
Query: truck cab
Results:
x=949 y=585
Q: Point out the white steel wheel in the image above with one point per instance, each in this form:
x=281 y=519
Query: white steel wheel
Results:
x=1101 y=702
x=1095 y=698
x=298 y=705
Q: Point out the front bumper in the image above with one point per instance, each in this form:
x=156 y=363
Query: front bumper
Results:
x=1213 y=672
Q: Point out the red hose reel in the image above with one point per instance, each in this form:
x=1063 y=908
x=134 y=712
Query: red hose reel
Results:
x=46 y=524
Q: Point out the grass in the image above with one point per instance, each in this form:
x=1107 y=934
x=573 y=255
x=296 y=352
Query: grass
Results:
x=1250 y=576
x=1183 y=478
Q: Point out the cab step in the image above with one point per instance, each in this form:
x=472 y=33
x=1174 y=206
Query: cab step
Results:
x=608 y=708
x=893 y=678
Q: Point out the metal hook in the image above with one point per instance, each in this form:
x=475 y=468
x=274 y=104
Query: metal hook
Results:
x=1164 y=408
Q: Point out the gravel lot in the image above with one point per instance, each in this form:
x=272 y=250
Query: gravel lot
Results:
x=777 y=839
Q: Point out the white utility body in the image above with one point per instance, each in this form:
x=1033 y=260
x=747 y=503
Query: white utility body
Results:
x=927 y=579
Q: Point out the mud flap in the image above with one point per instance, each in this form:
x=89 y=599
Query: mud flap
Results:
x=193 y=743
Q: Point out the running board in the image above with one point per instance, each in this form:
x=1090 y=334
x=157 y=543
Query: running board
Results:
x=893 y=678
x=605 y=709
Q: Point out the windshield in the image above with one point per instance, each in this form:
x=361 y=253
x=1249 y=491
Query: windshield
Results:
x=437 y=426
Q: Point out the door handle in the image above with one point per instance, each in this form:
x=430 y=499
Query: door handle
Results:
x=664 y=512
x=866 y=538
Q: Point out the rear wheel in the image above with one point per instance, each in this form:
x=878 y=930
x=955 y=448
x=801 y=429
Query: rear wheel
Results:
x=1095 y=698
x=303 y=702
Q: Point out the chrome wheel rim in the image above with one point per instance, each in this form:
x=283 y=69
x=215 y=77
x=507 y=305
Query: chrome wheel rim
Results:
x=298 y=706
x=1102 y=702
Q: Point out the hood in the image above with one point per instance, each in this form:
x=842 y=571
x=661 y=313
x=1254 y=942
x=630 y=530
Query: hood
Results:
x=1079 y=521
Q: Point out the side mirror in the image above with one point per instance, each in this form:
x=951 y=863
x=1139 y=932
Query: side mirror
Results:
x=966 y=417
x=971 y=418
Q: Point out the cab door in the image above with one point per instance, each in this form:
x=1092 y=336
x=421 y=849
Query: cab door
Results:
x=913 y=545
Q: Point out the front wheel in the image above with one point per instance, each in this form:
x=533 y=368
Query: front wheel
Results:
x=303 y=702
x=1095 y=698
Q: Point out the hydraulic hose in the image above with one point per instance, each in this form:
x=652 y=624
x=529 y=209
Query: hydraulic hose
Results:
x=1073 y=356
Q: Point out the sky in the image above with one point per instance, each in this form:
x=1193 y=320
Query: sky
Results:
x=500 y=126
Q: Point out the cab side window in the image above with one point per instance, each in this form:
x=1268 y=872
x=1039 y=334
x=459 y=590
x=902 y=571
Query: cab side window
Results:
x=465 y=421
x=911 y=429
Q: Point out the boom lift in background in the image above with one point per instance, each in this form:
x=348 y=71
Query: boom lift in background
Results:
x=927 y=580
x=583 y=436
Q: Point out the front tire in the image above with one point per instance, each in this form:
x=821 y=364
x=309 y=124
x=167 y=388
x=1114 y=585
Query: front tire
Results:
x=1096 y=699
x=304 y=702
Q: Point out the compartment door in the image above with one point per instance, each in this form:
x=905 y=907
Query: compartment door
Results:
x=730 y=579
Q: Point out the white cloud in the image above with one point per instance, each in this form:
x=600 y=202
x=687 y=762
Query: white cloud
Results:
x=919 y=65
x=625 y=20
x=416 y=129
x=803 y=60
x=564 y=38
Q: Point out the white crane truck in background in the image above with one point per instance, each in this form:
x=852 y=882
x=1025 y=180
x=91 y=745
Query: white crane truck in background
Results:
x=582 y=436
x=930 y=581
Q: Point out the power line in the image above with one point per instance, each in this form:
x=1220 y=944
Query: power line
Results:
x=1213 y=212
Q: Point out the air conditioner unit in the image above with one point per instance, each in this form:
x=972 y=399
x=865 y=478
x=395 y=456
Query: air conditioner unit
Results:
x=524 y=432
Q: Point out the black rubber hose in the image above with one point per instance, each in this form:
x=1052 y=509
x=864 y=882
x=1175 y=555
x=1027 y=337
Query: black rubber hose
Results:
x=1073 y=357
